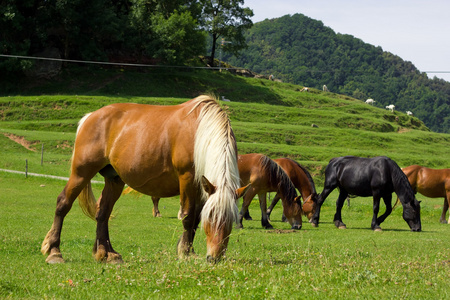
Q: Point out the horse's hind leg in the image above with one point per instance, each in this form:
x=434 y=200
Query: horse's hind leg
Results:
x=103 y=250
x=64 y=202
x=376 y=208
x=445 y=208
x=272 y=205
x=338 y=215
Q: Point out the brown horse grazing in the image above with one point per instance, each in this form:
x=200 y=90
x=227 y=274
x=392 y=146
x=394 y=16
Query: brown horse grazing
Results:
x=432 y=183
x=163 y=151
x=264 y=176
x=302 y=181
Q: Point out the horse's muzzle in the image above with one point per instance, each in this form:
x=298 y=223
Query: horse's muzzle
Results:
x=296 y=226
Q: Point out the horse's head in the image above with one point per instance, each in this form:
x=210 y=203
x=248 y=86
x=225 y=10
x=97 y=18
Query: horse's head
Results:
x=309 y=206
x=411 y=214
x=293 y=213
x=218 y=227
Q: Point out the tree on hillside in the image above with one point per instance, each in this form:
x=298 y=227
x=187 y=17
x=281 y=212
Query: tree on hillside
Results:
x=226 y=19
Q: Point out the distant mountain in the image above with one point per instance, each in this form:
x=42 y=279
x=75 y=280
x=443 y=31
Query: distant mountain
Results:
x=303 y=51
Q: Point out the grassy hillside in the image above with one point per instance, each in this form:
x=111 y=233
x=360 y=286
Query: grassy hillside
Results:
x=268 y=117
x=301 y=50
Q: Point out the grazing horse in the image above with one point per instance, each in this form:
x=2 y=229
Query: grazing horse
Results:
x=163 y=151
x=264 y=175
x=378 y=177
x=302 y=181
x=432 y=183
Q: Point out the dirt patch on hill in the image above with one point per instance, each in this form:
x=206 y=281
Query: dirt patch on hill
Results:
x=22 y=141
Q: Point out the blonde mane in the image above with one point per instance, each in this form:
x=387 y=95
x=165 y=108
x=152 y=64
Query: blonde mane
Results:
x=215 y=157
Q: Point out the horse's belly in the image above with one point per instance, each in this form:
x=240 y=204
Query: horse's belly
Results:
x=161 y=187
x=432 y=192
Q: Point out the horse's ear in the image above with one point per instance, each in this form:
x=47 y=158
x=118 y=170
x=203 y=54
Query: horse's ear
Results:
x=240 y=192
x=208 y=186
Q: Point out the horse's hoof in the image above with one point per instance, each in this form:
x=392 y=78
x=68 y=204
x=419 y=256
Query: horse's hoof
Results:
x=248 y=218
x=268 y=226
x=314 y=224
x=378 y=229
x=443 y=221
x=55 y=258
x=239 y=226
x=114 y=258
x=340 y=225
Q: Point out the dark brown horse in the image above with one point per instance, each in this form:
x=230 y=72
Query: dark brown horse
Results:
x=432 y=183
x=163 y=151
x=264 y=175
x=302 y=181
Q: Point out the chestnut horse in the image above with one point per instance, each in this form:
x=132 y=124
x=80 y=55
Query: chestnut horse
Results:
x=378 y=177
x=164 y=151
x=302 y=181
x=264 y=175
x=432 y=183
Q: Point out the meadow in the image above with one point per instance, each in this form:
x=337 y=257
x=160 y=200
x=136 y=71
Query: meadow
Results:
x=267 y=117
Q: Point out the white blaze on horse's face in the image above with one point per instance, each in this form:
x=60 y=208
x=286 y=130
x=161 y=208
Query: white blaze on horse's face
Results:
x=217 y=235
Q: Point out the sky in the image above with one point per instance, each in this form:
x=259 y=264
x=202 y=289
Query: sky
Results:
x=416 y=30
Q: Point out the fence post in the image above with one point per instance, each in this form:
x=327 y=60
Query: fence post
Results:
x=26 y=168
x=42 y=154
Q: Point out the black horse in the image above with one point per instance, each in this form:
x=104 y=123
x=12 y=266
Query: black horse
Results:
x=378 y=177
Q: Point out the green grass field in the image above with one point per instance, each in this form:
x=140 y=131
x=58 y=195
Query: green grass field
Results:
x=312 y=263
x=267 y=117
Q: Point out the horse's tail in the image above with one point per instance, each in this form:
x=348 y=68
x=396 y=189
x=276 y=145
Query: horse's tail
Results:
x=280 y=178
x=87 y=201
x=215 y=158
x=130 y=190
x=86 y=198
x=397 y=202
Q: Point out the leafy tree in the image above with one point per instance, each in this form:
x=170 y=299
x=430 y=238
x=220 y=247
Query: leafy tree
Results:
x=228 y=20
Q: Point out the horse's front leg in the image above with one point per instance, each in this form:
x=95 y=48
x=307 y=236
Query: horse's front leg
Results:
x=388 y=202
x=338 y=215
x=64 y=202
x=376 y=208
x=321 y=199
x=190 y=209
x=103 y=250
x=263 y=205
x=272 y=205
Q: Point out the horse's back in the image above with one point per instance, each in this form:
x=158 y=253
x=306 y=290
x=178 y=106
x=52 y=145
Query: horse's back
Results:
x=433 y=183
x=250 y=168
x=360 y=176
x=143 y=143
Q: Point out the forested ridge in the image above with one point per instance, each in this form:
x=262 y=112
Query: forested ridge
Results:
x=303 y=51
